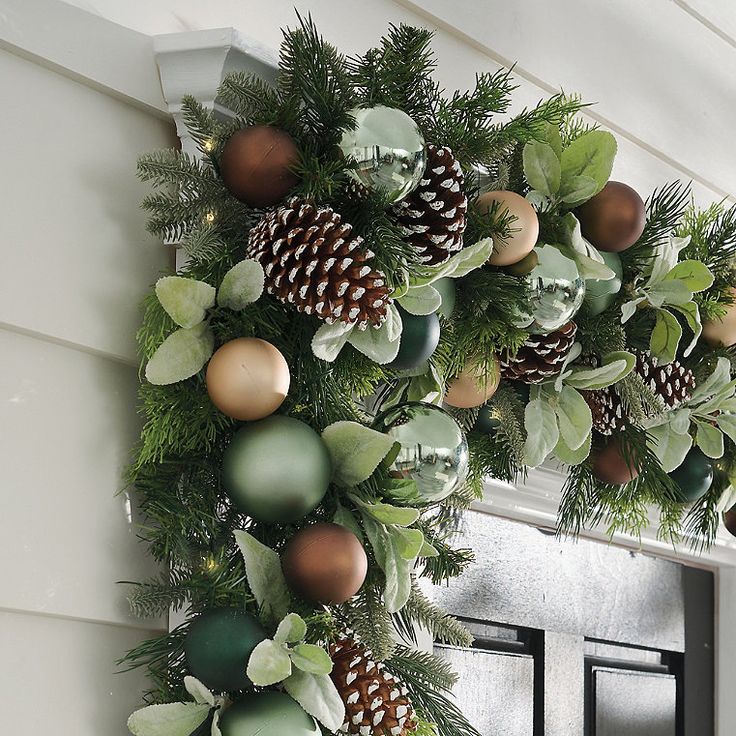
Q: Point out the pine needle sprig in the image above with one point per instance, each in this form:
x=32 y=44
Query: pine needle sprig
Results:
x=368 y=618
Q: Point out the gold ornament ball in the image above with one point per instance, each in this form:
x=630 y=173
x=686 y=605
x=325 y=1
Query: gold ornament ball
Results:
x=248 y=379
x=473 y=386
x=722 y=331
x=524 y=229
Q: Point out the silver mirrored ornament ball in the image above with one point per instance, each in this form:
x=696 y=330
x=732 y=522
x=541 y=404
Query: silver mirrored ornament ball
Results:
x=557 y=292
x=388 y=149
x=434 y=451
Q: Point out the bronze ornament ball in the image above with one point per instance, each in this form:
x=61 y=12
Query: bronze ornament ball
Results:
x=473 y=386
x=257 y=165
x=722 y=332
x=267 y=714
x=729 y=520
x=610 y=466
x=524 y=229
x=325 y=563
x=248 y=379
x=613 y=220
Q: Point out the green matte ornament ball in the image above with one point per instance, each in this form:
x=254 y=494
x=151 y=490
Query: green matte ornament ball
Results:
x=446 y=288
x=276 y=470
x=694 y=476
x=218 y=645
x=267 y=714
x=486 y=423
x=420 y=335
x=600 y=294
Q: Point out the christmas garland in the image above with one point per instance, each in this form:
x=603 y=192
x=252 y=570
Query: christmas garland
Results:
x=362 y=252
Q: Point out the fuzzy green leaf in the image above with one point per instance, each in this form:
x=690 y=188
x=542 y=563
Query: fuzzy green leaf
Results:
x=573 y=457
x=727 y=424
x=355 y=451
x=551 y=136
x=345 y=517
x=311 y=658
x=421 y=300
x=182 y=355
x=407 y=542
x=396 y=569
x=318 y=696
x=380 y=344
x=628 y=309
x=542 y=167
x=665 y=337
x=669 y=446
x=292 y=629
x=171 y=719
x=269 y=663
x=590 y=155
x=691 y=313
x=186 y=301
x=578 y=189
x=669 y=292
x=199 y=691
x=540 y=421
x=695 y=275
x=461 y=264
x=590 y=379
x=666 y=256
x=709 y=439
x=329 y=340
x=385 y=513
x=574 y=418
x=242 y=285
x=715 y=383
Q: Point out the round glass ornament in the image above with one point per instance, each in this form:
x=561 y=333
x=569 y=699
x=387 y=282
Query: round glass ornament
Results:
x=434 y=451
x=557 y=292
x=389 y=150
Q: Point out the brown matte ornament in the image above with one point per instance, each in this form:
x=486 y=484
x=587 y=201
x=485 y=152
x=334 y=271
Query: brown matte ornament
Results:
x=722 y=331
x=609 y=465
x=729 y=520
x=524 y=229
x=257 y=164
x=248 y=379
x=614 y=219
x=325 y=563
x=473 y=386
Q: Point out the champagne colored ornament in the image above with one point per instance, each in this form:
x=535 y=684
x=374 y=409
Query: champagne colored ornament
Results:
x=613 y=220
x=218 y=645
x=722 y=331
x=556 y=292
x=474 y=385
x=248 y=379
x=388 y=148
x=694 y=476
x=276 y=470
x=610 y=466
x=257 y=165
x=524 y=230
x=420 y=335
x=434 y=451
x=599 y=294
x=267 y=714
x=325 y=563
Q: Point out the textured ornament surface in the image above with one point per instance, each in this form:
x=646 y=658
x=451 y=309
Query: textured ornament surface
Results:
x=313 y=261
x=388 y=149
x=541 y=357
x=376 y=702
x=267 y=714
x=434 y=215
x=434 y=451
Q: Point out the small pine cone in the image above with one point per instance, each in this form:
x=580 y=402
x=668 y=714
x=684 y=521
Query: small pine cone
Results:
x=541 y=357
x=376 y=703
x=672 y=384
x=312 y=261
x=434 y=215
x=607 y=410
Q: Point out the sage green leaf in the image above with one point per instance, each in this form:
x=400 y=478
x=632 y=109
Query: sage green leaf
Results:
x=318 y=696
x=265 y=578
x=242 y=285
x=590 y=262
x=669 y=292
x=573 y=457
x=709 y=439
x=551 y=135
x=590 y=155
x=715 y=383
x=628 y=309
x=186 y=301
x=408 y=543
x=380 y=344
x=199 y=691
x=666 y=255
x=292 y=629
x=215 y=731
x=396 y=569
x=680 y=420
x=428 y=550
x=461 y=264
x=385 y=513
x=670 y=447
x=574 y=418
x=665 y=337
x=355 y=451
x=540 y=421
x=727 y=424
x=421 y=300
x=345 y=517
x=269 y=663
x=691 y=313
x=182 y=355
x=329 y=340
x=171 y=719
x=541 y=167
x=694 y=274
x=311 y=658
x=616 y=366
x=578 y=189
x=727 y=499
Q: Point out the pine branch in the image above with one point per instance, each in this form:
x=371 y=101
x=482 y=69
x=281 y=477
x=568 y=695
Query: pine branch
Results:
x=368 y=618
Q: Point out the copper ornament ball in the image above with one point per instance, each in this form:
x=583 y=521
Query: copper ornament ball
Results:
x=722 y=331
x=614 y=219
x=524 y=229
x=248 y=379
x=609 y=465
x=473 y=386
x=325 y=563
x=257 y=165
x=729 y=520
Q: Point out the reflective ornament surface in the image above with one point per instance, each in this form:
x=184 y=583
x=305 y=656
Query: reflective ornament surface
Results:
x=434 y=451
x=388 y=148
x=557 y=291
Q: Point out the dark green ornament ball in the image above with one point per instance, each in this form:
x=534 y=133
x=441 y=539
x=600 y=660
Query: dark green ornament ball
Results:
x=218 y=646
x=276 y=470
x=267 y=714
x=486 y=423
x=419 y=337
x=693 y=477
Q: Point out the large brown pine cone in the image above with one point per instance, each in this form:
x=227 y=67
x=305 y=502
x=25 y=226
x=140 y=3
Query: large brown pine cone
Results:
x=607 y=410
x=672 y=384
x=312 y=261
x=541 y=357
x=434 y=215
x=376 y=703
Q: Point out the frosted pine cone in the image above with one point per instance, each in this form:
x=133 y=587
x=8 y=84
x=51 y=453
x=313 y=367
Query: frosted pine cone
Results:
x=312 y=261
x=376 y=703
x=672 y=384
x=607 y=410
x=434 y=215
x=541 y=357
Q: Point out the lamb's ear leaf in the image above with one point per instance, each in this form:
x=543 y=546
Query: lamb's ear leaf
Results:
x=170 y=719
x=186 y=301
x=182 y=355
